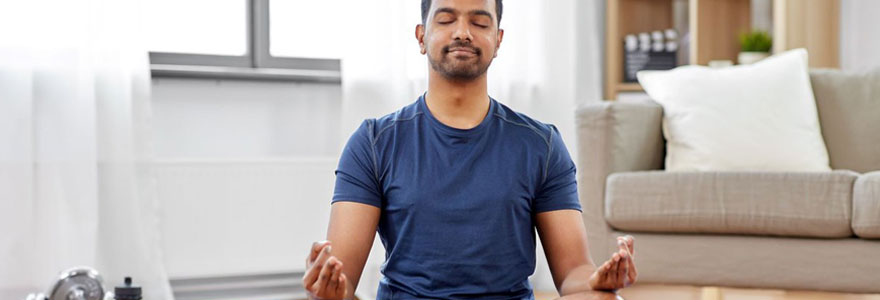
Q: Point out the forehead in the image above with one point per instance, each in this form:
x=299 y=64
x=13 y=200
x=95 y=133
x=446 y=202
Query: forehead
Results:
x=464 y=6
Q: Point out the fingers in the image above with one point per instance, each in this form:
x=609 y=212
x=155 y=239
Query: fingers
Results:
x=627 y=243
x=324 y=277
x=621 y=270
x=632 y=274
x=342 y=285
x=333 y=283
x=611 y=274
x=615 y=273
x=314 y=269
x=316 y=249
x=320 y=285
x=604 y=270
x=630 y=243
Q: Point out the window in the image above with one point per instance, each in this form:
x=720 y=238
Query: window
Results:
x=306 y=28
x=241 y=39
x=220 y=30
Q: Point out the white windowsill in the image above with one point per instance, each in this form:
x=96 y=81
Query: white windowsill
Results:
x=217 y=72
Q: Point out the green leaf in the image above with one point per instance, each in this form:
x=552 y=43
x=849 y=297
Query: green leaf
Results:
x=755 y=41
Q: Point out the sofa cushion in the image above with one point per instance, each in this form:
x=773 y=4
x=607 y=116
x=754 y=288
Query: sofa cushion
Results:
x=849 y=113
x=758 y=117
x=807 y=204
x=866 y=206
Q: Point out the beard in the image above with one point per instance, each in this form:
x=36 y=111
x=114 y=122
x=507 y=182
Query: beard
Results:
x=457 y=67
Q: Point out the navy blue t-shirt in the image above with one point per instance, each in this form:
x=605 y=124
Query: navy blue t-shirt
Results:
x=457 y=206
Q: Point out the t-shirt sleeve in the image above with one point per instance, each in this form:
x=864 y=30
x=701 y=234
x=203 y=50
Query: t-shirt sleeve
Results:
x=559 y=188
x=356 y=176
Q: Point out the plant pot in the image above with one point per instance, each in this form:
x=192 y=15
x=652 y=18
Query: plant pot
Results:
x=746 y=58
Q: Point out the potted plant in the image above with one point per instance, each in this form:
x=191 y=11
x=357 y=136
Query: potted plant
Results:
x=754 y=46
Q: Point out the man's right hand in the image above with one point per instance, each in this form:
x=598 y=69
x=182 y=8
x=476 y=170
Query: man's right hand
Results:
x=323 y=278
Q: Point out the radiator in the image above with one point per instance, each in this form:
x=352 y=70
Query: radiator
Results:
x=267 y=286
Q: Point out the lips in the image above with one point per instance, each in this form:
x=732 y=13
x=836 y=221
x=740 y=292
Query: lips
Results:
x=462 y=53
x=463 y=50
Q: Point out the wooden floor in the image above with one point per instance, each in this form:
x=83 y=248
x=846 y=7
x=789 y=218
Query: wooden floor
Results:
x=665 y=292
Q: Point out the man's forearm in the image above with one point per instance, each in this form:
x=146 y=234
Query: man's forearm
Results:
x=578 y=280
x=576 y=286
x=591 y=295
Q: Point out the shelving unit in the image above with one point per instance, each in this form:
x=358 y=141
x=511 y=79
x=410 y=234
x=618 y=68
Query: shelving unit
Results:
x=624 y=17
x=811 y=24
x=713 y=28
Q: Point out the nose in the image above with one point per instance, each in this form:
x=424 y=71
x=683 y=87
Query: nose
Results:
x=462 y=31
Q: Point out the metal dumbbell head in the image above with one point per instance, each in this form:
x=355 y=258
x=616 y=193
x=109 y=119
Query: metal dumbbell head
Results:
x=78 y=283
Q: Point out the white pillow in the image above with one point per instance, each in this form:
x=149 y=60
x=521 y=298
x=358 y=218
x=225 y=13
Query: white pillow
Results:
x=758 y=117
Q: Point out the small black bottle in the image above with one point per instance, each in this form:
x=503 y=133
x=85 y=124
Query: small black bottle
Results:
x=127 y=292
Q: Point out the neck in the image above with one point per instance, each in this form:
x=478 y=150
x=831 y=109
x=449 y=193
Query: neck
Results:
x=457 y=104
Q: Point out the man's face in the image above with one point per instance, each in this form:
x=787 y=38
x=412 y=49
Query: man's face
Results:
x=460 y=37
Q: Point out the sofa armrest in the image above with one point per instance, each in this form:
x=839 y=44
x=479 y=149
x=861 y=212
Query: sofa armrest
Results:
x=613 y=137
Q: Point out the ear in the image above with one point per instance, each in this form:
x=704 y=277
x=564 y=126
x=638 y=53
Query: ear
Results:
x=500 y=36
x=420 y=36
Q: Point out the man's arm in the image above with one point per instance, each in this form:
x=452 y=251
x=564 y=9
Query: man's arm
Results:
x=352 y=230
x=564 y=238
x=349 y=236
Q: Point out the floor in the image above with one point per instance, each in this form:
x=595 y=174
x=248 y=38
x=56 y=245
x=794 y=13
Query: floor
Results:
x=663 y=292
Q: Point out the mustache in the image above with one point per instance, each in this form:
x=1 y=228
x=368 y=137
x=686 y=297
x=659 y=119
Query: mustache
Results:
x=460 y=44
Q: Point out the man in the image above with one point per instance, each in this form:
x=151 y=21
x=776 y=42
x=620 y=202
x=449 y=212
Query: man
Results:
x=456 y=184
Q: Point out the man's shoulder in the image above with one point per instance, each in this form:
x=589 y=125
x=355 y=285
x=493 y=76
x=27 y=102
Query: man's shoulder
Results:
x=406 y=113
x=377 y=126
x=542 y=130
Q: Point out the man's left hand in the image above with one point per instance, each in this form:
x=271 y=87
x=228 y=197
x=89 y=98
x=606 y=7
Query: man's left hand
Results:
x=619 y=271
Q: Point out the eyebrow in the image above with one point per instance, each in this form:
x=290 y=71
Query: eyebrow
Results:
x=475 y=12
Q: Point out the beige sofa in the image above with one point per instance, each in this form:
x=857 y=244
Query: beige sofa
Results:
x=801 y=231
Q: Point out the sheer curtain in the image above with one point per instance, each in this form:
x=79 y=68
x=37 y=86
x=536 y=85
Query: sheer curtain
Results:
x=549 y=63
x=75 y=179
x=859 y=27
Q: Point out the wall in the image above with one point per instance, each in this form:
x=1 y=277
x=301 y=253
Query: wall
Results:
x=233 y=119
x=859 y=35
x=245 y=175
x=245 y=172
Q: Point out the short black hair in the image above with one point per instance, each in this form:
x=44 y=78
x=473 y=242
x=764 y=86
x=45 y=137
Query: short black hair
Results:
x=426 y=6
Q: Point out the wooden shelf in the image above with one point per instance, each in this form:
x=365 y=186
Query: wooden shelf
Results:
x=810 y=24
x=629 y=87
x=714 y=27
x=627 y=17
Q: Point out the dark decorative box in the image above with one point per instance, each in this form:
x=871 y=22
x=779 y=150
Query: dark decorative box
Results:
x=635 y=61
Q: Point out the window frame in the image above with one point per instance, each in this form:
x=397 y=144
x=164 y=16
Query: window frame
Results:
x=256 y=64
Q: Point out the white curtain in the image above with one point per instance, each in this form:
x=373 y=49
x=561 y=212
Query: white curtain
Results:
x=859 y=29
x=75 y=180
x=549 y=63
